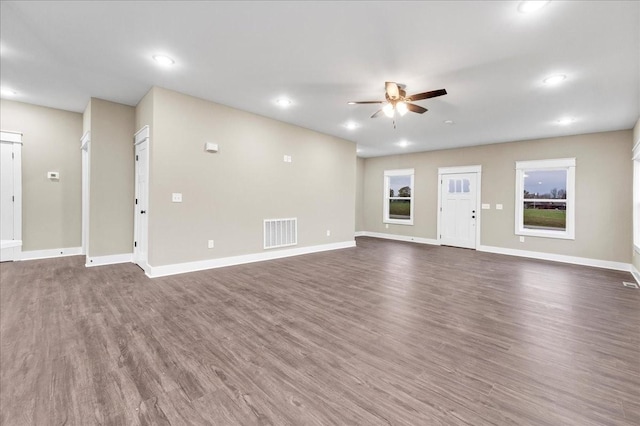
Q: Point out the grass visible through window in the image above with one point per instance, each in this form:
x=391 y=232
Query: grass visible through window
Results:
x=545 y=218
x=399 y=209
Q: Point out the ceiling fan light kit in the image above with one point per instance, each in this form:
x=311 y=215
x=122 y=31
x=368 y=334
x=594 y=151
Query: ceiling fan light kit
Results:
x=396 y=99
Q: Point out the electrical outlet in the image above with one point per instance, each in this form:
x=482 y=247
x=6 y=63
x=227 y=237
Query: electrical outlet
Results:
x=210 y=244
x=522 y=239
x=498 y=206
x=386 y=225
x=328 y=233
x=486 y=207
x=176 y=197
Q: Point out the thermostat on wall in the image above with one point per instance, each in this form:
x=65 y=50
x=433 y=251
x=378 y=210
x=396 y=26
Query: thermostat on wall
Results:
x=53 y=175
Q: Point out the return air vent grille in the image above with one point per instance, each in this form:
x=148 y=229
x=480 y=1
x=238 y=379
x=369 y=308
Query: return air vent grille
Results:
x=280 y=232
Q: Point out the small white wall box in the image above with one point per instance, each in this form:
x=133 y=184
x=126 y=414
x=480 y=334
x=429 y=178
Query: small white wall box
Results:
x=53 y=175
x=211 y=147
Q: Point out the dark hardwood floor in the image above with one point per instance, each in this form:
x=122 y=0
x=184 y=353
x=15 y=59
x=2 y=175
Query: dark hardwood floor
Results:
x=385 y=333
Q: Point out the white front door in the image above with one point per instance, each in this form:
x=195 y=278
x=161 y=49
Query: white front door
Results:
x=141 y=221
x=458 y=215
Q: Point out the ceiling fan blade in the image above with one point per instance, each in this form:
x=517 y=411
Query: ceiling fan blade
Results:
x=416 y=108
x=364 y=102
x=392 y=89
x=427 y=95
x=376 y=114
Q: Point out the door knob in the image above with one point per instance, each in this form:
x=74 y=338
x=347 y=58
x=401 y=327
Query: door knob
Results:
x=143 y=211
x=473 y=217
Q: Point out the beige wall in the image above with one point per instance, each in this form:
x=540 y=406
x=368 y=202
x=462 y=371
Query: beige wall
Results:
x=360 y=194
x=51 y=210
x=603 y=192
x=636 y=139
x=144 y=111
x=111 y=189
x=226 y=196
x=86 y=119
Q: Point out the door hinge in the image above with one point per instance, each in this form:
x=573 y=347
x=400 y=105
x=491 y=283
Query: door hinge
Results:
x=136 y=201
x=13 y=156
x=135 y=244
x=13 y=198
x=136 y=157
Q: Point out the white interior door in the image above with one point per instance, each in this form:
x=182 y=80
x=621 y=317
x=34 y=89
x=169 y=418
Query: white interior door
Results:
x=458 y=214
x=86 y=158
x=10 y=196
x=141 y=221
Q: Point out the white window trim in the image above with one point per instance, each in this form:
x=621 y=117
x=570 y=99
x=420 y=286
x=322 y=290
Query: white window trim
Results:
x=636 y=196
x=568 y=164
x=385 y=201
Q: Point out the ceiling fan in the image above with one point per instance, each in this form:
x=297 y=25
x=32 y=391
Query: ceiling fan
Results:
x=397 y=100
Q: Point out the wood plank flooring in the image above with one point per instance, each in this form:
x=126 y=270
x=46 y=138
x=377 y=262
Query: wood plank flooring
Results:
x=388 y=333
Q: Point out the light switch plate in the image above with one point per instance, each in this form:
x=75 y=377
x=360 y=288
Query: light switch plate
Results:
x=176 y=197
x=486 y=207
x=498 y=206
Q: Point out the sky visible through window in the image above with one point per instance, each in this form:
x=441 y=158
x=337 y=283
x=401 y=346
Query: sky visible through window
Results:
x=397 y=182
x=543 y=181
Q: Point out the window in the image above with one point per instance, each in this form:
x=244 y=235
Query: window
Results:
x=545 y=195
x=398 y=197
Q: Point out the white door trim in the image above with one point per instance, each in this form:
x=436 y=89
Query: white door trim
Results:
x=141 y=136
x=15 y=246
x=85 y=146
x=455 y=170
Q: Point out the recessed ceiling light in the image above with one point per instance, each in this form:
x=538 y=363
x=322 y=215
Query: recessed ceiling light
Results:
x=283 y=102
x=7 y=92
x=554 y=79
x=403 y=144
x=449 y=122
x=351 y=125
x=565 y=121
x=532 y=5
x=163 y=60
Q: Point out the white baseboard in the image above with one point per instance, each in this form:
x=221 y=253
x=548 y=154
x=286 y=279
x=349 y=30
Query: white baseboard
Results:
x=635 y=273
x=49 y=253
x=109 y=260
x=395 y=237
x=606 y=264
x=181 y=268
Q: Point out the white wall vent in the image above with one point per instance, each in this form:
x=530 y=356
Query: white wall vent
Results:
x=280 y=232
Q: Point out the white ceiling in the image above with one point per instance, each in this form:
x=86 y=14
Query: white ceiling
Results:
x=490 y=58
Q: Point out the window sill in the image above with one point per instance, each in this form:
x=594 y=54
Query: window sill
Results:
x=546 y=234
x=398 y=222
